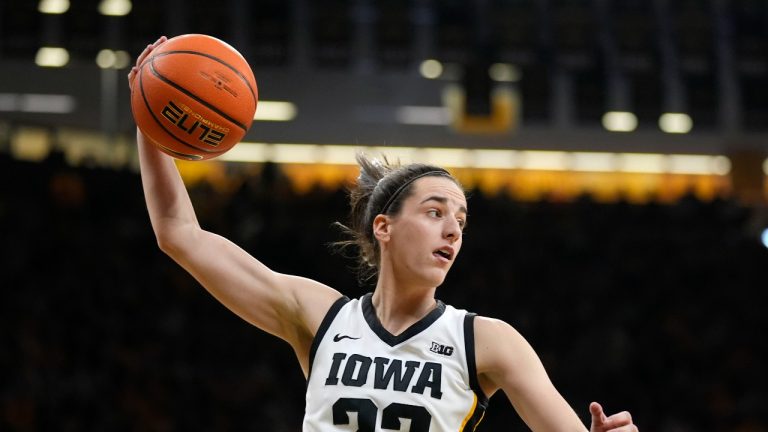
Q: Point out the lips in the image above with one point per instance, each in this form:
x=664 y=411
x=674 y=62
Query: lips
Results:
x=445 y=252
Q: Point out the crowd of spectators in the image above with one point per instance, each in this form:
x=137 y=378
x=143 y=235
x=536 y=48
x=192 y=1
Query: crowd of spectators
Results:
x=654 y=308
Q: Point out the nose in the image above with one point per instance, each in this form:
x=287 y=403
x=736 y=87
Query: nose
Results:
x=452 y=230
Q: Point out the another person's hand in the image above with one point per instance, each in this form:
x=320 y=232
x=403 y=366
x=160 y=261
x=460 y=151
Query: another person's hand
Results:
x=621 y=422
x=140 y=59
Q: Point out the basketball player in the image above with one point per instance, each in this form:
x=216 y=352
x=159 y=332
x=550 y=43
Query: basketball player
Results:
x=396 y=359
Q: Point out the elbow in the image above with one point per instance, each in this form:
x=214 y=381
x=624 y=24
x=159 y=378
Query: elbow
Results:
x=166 y=244
x=172 y=241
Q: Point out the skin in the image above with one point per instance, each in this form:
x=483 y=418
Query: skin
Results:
x=292 y=307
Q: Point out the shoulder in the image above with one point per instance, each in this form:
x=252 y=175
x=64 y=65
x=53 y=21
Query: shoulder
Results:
x=489 y=332
x=502 y=354
x=320 y=306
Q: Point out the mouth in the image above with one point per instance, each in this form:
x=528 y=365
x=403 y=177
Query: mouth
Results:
x=444 y=253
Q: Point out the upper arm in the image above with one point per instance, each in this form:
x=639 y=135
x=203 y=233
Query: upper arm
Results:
x=286 y=306
x=515 y=368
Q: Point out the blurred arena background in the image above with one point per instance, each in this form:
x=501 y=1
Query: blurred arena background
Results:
x=615 y=152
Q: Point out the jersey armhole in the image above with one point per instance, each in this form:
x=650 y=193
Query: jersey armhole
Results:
x=469 y=342
x=327 y=320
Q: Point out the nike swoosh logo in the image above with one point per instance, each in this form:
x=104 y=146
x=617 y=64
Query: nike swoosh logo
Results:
x=339 y=337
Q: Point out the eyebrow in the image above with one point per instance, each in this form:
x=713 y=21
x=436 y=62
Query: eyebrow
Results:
x=442 y=200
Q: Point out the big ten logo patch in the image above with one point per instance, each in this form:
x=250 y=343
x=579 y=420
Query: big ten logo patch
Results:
x=445 y=350
x=191 y=122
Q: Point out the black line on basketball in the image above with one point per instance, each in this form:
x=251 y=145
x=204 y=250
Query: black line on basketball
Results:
x=179 y=154
x=159 y=123
x=235 y=70
x=189 y=93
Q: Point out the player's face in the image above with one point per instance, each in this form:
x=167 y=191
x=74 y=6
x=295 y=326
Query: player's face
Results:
x=426 y=234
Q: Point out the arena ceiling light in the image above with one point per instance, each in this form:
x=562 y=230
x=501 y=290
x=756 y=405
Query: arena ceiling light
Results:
x=275 y=111
x=115 y=7
x=650 y=163
x=619 y=121
x=431 y=69
x=593 y=161
x=53 y=7
x=110 y=59
x=52 y=57
x=543 y=160
x=679 y=123
x=492 y=159
x=504 y=72
x=533 y=160
x=290 y=153
x=698 y=164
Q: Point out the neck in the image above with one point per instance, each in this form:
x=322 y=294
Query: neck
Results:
x=399 y=305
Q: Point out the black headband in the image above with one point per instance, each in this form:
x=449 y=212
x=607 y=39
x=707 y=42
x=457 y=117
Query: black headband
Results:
x=404 y=185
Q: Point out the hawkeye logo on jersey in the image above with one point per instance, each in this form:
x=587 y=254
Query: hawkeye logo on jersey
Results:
x=383 y=373
x=191 y=122
x=445 y=350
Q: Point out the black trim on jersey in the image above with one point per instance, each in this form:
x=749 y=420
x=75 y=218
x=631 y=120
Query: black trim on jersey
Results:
x=469 y=342
x=329 y=316
x=369 y=312
x=474 y=383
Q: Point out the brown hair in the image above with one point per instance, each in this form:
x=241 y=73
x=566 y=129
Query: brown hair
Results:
x=381 y=188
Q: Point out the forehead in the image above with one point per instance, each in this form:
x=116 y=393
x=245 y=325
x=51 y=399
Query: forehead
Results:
x=440 y=187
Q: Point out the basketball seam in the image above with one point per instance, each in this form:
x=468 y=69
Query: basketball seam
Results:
x=192 y=95
x=159 y=123
x=235 y=70
x=240 y=74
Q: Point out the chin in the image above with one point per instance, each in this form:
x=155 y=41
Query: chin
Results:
x=436 y=278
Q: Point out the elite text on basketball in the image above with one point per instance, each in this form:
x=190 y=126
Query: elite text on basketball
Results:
x=210 y=133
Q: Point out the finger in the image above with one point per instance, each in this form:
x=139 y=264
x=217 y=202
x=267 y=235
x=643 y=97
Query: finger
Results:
x=132 y=76
x=144 y=54
x=618 y=422
x=158 y=42
x=598 y=416
x=149 y=49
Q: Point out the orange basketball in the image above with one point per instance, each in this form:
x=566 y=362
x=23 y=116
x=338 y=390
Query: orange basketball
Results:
x=194 y=97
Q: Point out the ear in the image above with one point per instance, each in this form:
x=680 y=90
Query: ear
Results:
x=381 y=228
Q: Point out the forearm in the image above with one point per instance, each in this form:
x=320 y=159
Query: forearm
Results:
x=168 y=203
x=544 y=409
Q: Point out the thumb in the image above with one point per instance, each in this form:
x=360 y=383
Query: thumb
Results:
x=598 y=416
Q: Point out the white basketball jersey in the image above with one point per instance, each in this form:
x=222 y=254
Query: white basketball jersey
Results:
x=363 y=378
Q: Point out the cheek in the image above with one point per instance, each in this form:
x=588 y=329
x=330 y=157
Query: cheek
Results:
x=414 y=240
x=416 y=229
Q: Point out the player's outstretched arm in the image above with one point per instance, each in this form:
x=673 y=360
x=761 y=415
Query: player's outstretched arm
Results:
x=287 y=306
x=515 y=368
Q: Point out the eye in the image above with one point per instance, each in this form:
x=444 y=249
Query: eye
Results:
x=462 y=223
x=434 y=212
